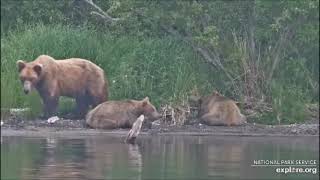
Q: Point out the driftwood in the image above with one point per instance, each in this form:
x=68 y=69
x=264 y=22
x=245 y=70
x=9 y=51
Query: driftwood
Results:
x=135 y=130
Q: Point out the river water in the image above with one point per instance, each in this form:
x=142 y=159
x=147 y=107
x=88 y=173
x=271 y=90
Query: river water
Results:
x=156 y=157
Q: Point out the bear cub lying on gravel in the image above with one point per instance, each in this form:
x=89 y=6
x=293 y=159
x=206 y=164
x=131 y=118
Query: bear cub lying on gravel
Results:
x=121 y=114
x=217 y=110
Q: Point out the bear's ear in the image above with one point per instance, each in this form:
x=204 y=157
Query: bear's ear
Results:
x=20 y=64
x=145 y=101
x=216 y=93
x=38 y=69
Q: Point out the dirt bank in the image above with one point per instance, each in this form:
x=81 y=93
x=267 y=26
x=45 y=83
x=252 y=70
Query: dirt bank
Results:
x=65 y=127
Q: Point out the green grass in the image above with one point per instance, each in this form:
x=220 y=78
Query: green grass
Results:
x=165 y=69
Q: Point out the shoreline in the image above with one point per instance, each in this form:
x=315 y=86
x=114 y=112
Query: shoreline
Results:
x=123 y=133
x=67 y=127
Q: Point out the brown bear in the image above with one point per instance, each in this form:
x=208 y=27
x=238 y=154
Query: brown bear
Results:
x=121 y=114
x=218 y=110
x=76 y=78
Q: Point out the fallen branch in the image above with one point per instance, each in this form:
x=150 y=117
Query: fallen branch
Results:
x=104 y=15
x=209 y=57
x=215 y=61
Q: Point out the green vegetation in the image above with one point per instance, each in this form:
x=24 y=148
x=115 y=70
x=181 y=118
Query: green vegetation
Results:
x=163 y=69
x=264 y=54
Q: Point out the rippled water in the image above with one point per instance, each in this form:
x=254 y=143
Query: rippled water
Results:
x=156 y=157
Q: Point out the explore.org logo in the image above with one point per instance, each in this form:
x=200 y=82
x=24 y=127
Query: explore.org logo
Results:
x=289 y=166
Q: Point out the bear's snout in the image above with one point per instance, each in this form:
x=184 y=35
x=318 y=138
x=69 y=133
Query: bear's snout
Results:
x=155 y=115
x=26 y=91
x=27 y=87
x=158 y=115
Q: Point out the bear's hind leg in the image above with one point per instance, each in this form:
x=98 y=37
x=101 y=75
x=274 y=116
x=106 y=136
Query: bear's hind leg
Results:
x=96 y=100
x=95 y=97
x=82 y=105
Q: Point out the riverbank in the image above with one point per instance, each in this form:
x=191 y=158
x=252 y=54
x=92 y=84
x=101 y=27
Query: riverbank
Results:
x=66 y=127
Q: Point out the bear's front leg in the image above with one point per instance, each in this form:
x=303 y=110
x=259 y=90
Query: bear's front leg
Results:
x=50 y=106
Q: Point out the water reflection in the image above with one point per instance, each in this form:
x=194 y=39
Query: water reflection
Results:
x=160 y=157
x=59 y=160
x=135 y=159
x=110 y=158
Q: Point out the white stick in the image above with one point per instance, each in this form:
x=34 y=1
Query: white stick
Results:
x=135 y=130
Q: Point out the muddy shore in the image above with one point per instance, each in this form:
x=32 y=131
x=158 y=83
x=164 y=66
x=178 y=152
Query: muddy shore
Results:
x=66 y=127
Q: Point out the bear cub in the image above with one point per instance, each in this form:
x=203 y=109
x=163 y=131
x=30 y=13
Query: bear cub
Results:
x=217 y=110
x=121 y=114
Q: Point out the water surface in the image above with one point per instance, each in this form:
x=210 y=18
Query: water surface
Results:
x=156 y=157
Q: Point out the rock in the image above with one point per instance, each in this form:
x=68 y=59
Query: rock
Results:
x=53 y=119
x=294 y=131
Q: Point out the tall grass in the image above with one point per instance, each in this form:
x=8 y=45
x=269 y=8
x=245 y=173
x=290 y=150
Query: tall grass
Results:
x=166 y=70
x=281 y=99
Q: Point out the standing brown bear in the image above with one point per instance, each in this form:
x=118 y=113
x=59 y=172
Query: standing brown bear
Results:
x=218 y=110
x=76 y=78
x=121 y=114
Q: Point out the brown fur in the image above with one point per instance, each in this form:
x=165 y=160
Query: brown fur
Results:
x=76 y=78
x=120 y=114
x=218 y=110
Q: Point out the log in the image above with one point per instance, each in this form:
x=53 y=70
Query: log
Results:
x=135 y=130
